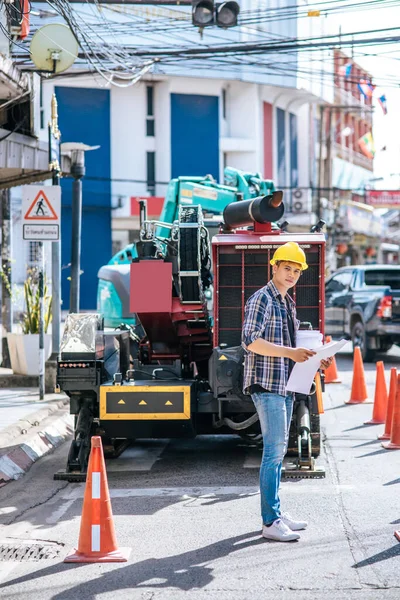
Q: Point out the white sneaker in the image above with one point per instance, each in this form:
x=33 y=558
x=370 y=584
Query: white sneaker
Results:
x=279 y=531
x=292 y=524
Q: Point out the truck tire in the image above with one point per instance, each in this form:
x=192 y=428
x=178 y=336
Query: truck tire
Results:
x=359 y=338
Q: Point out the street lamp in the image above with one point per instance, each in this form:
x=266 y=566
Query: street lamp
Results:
x=77 y=152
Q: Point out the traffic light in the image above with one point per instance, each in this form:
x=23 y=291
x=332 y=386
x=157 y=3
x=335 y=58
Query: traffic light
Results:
x=203 y=13
x=222 y=14
x=226 y=14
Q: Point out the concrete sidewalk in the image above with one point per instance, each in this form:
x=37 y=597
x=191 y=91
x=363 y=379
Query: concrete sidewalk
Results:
x=30 y=428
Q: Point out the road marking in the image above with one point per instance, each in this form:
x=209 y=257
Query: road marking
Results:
x=138 y=458
x=183 y=492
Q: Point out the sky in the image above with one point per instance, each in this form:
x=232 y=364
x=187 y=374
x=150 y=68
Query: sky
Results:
x=383 y=67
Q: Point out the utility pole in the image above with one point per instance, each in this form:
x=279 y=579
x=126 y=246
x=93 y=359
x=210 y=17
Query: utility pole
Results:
x=54 y=163
x=77 y=151
x=6 y=279
x=77 y=172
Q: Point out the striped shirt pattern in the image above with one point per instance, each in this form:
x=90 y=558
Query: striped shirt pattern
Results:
x=265 y=316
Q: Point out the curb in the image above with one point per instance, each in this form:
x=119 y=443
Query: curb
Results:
x=41 y=440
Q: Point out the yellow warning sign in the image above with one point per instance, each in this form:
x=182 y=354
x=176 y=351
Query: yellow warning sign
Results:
x=41 y=209
x=222 y=357
x=121 y=401
x=168 y=403
x=142 y=402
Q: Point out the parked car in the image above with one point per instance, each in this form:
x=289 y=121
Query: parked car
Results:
x=362 y=303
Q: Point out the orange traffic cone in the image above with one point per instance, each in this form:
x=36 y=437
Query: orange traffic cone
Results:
x=97 y=541
x=318 y=393
x=389 y=412
x=397 y=535
x=358 y=389
x=380 y=397
x=394 y=443
x=331 y=373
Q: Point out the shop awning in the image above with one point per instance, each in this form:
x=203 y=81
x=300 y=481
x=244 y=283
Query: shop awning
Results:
x=23 y=160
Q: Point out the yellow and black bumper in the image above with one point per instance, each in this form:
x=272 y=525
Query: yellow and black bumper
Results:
x=146 y=401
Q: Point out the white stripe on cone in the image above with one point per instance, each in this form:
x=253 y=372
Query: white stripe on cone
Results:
x=95 y=538
x=95 y=486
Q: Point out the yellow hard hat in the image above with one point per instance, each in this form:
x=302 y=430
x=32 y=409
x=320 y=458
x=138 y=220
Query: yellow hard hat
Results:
x=291 y=252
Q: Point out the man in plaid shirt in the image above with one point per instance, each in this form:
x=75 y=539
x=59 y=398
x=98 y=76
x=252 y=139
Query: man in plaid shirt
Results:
x=269 y=338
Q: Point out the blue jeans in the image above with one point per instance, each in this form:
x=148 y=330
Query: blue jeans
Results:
x=275 y=414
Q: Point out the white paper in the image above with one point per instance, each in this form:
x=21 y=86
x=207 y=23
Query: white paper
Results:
x=303 y=373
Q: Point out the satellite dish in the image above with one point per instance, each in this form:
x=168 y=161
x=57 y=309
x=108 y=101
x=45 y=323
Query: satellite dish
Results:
x=54 y=48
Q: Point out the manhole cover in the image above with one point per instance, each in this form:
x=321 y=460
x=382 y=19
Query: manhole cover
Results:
x=23 y=550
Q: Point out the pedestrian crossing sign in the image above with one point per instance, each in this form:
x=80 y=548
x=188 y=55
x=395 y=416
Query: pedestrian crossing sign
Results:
x=41 y=208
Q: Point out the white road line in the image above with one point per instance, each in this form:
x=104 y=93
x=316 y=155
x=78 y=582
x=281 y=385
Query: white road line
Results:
x=138 y=458
x=183 y=492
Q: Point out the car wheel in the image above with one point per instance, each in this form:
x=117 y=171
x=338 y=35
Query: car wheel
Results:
x=359 y=338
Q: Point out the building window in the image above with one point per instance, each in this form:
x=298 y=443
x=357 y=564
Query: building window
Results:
x=224 y=104
x=150 y=126
x=151 y=172
x=34 y=253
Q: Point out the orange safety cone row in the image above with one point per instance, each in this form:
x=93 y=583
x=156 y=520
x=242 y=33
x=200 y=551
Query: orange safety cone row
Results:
x=389 y=412
x=358 y=389
x=97 y=540
x=331 y=373
x=394 y=443
x=380 y=398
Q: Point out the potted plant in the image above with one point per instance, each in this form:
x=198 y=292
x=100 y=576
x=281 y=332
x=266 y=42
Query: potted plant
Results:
x=24 y=347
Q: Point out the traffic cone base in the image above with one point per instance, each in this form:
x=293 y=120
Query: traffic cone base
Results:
x=390 y=446
x=120 y=555
x=366 y=401
x=397 y=535
x=374 y=422
x=384 y=436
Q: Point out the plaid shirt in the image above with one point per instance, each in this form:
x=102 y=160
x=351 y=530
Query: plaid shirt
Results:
x=265 y=316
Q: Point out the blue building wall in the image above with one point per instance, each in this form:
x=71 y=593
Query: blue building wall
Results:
x=194 y=135
x=84 y=116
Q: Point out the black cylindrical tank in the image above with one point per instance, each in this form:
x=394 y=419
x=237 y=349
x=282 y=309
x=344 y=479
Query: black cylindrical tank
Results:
x=263 y=209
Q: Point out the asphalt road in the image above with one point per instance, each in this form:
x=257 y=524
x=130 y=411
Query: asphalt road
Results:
x=189 y=512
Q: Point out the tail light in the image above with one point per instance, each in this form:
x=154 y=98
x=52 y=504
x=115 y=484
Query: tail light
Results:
x=385 y=308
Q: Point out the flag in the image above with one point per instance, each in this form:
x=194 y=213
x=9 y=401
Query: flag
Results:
x=345 y=69
x=366 y=144
x=366 y=88
x=383 y=102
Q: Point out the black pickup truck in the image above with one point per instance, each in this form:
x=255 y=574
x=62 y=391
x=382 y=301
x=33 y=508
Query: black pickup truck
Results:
x=362 y=303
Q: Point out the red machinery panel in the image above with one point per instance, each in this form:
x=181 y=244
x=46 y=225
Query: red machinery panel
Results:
x=151 y=287
x=242 y=266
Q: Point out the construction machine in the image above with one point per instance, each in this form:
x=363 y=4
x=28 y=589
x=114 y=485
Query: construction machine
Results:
x=183 y=374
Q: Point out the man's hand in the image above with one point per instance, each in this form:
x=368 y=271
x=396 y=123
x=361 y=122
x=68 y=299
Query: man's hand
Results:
x=300 y=354
x=326 y=363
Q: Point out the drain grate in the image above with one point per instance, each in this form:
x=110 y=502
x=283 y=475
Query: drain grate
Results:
x=28 y=550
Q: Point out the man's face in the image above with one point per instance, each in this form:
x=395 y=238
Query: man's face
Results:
x=286 y=273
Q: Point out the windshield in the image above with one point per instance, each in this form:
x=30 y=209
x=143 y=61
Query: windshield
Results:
x=383 y=277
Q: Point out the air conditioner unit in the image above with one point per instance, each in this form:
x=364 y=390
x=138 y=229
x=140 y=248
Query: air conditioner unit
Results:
x=301 y=201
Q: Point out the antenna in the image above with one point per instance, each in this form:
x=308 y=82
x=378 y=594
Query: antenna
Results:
x=54 y=48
